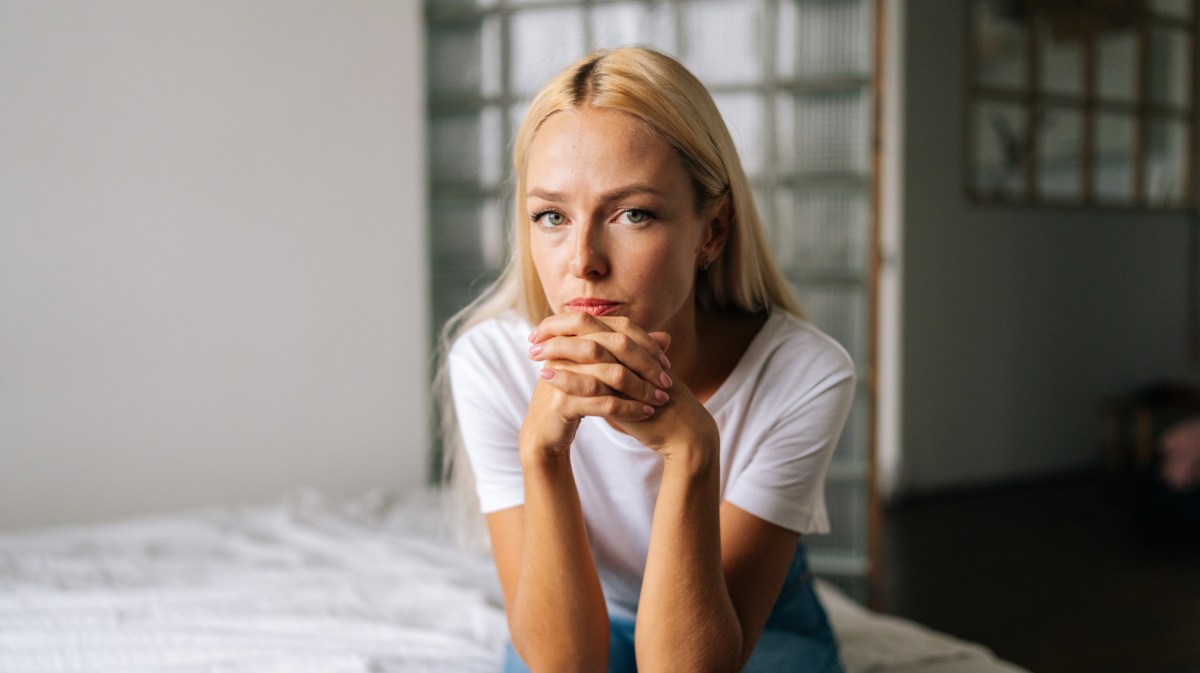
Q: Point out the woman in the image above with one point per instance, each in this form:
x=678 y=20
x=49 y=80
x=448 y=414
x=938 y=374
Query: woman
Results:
x=647 y=456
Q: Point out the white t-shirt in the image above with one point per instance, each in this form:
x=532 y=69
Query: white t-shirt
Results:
x=779 y=413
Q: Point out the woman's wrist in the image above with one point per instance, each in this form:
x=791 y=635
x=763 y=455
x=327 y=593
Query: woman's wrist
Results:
x=540 y=458
x=694 y=457
x=537 y=448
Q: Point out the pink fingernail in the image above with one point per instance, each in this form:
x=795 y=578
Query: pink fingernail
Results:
x=662 y=358
x=535 y=350
x=662 y=397
x=546 y=373
x=533 y=335
x=666 y=380
x=648 y=410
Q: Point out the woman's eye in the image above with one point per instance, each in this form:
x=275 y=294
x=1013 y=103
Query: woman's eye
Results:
x=635 y=216
x=549 y=218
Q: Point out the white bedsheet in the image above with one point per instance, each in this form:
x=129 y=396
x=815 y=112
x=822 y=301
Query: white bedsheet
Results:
x=310 y=584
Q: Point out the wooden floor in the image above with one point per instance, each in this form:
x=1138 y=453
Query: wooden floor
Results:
x=1058 y=576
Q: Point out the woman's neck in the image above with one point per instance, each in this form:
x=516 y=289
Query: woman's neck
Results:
x=704 y=356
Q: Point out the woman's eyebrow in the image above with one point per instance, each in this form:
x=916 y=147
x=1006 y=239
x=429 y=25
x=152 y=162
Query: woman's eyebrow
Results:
x=544 y=195
x=630 y=190
x=612 y=195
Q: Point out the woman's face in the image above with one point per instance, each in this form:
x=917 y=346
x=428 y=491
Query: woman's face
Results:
x=613 y=226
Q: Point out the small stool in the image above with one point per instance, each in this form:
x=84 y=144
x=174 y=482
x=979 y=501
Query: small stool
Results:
x=1136 y=421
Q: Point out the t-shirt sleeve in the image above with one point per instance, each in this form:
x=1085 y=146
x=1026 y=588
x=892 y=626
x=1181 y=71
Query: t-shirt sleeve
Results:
x=784 y=480
x=489 y=407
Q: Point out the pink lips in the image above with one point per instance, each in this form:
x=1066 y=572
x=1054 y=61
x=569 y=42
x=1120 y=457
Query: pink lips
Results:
x=593 y=306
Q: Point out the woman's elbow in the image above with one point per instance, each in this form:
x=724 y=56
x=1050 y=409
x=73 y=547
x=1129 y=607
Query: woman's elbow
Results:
x=565 y=662
x=693 y=665
x=715 y=658
x=562 y=654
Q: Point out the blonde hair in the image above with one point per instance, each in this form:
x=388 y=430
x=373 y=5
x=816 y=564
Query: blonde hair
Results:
x=664 y=96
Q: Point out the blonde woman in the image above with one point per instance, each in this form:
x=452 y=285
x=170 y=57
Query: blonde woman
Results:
x=647 y=417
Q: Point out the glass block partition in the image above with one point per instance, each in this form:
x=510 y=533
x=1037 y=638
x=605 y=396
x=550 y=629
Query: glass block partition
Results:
x=794 y=80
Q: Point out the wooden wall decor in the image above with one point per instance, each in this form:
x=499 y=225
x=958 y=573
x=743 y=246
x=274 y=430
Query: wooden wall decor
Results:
x=1082 y=102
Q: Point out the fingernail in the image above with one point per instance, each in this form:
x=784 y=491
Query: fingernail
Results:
x=546 y=373
x=648 y=410
x=662 y=358
x=533 y=335
x=535 y=350
x=666 y=380
x=661 y=396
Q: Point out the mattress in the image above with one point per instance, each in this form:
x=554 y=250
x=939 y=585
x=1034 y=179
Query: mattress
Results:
x=313 y=583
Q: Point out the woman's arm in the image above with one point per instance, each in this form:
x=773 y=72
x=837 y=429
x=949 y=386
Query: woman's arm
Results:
x=557 y=616
x=556 y=612
x=713 y=571
x=712 y=576
x=696 y=612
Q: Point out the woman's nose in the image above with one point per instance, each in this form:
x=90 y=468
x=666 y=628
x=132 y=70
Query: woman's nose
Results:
x=588 y=259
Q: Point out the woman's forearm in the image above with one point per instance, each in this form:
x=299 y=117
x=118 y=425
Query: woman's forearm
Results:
x=558 y=619
x=686 y=621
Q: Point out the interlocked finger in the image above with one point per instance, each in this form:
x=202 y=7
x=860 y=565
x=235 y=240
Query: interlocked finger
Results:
x=585 y=325
x=605 y=347
x=605 y=378
x=585 y=395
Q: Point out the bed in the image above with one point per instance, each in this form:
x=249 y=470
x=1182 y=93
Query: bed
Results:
x=313 y=583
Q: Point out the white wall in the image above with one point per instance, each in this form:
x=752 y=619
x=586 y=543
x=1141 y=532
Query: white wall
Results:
x=212 y=258
x=1016 y=321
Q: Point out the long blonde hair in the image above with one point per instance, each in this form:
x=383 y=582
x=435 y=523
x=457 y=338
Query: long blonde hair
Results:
x=663 y=95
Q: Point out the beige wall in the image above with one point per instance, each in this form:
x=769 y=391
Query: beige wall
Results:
x=212 y=263
x=1016 y=321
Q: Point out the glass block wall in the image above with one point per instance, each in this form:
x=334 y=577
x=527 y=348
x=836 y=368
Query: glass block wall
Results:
x=794 y=81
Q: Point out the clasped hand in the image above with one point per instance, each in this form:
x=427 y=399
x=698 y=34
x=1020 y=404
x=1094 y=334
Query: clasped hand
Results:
x=613 y=369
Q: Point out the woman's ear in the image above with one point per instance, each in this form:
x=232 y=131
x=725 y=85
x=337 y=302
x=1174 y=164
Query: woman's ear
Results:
x=716 y=230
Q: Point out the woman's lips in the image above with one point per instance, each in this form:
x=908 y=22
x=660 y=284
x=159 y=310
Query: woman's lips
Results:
x=596 y=307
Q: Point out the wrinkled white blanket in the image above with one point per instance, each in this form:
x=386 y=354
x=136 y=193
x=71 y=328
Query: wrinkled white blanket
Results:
x=309 y=584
